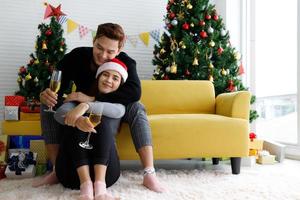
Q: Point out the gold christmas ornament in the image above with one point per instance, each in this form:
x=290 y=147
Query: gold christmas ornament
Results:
x=189 y=6
x=192 y=25
x=44 y=45
x=36 y=80
x=173 y=68
x=28 y=77
x=183 y=47
x=211 y=66
x=19 y=80
x=162 y=51
x=211 y=43
x=195 y=62
x=36 y=61
x=211 y=78
x=223 y=72
x=237 y=56
x=61 y=49
x=180 y=15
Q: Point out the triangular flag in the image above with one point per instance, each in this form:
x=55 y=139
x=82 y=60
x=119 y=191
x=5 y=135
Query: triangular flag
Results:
x=132 y=39
x=145 y=37
x=62 y=19
x=83 y=30
x=93 y=33
x=155 y=34
x=71 y=25
x=47 y=11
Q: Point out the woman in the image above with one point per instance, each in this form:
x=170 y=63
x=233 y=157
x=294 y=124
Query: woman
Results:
x=77 y=167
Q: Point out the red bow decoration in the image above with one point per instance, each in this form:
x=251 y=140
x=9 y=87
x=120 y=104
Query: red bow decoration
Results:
x=2 y=147
x=252 y=136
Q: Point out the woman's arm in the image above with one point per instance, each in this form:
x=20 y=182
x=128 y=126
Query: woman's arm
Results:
x=68 y=113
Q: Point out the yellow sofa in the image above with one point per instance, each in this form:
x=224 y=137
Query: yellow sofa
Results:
x=187 y=121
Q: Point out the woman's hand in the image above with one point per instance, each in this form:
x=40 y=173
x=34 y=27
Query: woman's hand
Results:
x=48 y=97
x=84 y=124
x=79 y=97
x=72 y=116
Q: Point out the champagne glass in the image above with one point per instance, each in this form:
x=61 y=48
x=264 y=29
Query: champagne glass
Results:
x=95 y=119
x=54 y=85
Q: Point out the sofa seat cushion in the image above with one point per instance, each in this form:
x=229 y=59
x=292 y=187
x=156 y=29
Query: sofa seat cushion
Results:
x=198 y=135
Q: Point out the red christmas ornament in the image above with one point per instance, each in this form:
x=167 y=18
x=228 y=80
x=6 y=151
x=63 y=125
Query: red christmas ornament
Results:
x=48 y=32
x=62 y=43
x=252 y=136
x=185 y=26
x=172 y=15
x=231 y=87
x=168 y=7
x=187 y=72
x=241 y=69
x=169 y=26
x=166 y=77
x=208 y=17
x=216 y=17
x=220 y=50
x=22 y=70
x=203 y=34
x=202 y=23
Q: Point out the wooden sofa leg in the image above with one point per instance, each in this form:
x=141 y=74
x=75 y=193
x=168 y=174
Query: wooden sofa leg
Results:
x=215 y=161
x=235 y=165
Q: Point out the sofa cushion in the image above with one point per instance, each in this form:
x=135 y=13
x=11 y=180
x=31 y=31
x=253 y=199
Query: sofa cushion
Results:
x=177 y=97
x=198 y=135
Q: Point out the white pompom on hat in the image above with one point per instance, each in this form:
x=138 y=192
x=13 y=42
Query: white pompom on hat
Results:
x=115 y=65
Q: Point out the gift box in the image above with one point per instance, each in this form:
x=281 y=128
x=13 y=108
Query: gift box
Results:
x=17 y=142
x=268 y=159
x=21 y=127
x=3 y=147
x=41 y=169
x=38 y=146
x=13 y=100
x=2 y=170
x=248 y=161
x=21 y=165
x=24 y=116
x=30 y=109
x=11 y=113
x=256 y=144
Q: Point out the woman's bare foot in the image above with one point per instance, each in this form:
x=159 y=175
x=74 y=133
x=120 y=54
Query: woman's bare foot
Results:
x=86 y=191
x=101 y=192
x=151 y=182
x=48 y=179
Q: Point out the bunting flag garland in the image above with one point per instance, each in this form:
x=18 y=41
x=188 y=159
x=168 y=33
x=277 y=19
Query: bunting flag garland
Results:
x=155 y=34
x=83 y=30
x=71 y=26
x=132 y=39
x=145 y=37
x=62 y=19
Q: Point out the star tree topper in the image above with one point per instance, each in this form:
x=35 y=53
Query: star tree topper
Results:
x=52 y=11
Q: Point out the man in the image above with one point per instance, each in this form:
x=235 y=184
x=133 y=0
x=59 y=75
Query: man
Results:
x=80 y=65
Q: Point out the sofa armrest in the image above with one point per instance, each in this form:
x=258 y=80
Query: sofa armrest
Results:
x=234 y=104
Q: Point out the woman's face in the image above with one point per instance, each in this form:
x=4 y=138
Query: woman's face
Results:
x=109 y=81
x=105 y=49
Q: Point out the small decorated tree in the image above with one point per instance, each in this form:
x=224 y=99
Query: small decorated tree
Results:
x=196 y=46
x=50 y=49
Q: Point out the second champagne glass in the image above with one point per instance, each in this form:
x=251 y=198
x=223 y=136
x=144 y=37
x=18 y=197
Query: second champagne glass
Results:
x=95 y=119
x=54 y=84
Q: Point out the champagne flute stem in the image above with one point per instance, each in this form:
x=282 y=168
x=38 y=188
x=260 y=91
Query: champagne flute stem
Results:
x=88 y=138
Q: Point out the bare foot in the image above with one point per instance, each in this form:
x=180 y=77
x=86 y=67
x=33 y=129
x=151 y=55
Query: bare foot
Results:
x=86 y=191
x=49 y=179
x=151 y=182
x=106 y=196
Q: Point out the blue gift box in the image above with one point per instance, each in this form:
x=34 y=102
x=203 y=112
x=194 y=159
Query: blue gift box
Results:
x=17 y=142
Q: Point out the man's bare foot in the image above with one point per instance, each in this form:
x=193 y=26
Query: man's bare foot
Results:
x=151 y=182
x=49 y=179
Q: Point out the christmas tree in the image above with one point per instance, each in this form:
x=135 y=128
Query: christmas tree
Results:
x=196 y=46
x=50 y=48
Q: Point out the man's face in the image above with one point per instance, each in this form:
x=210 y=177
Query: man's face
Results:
x=105 y=49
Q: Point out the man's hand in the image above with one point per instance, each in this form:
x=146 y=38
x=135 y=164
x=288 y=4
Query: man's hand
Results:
x=72 y=116
x=84 y=124
x=48 y=97
x=79 y=97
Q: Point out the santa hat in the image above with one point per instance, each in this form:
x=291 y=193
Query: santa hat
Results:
x=116 y=65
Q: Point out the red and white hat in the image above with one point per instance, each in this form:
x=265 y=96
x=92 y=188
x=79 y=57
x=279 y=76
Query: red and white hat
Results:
x=116 y=65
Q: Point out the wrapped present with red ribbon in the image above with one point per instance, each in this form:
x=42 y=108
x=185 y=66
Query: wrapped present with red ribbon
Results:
x=13 y=100
x=30 y=106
